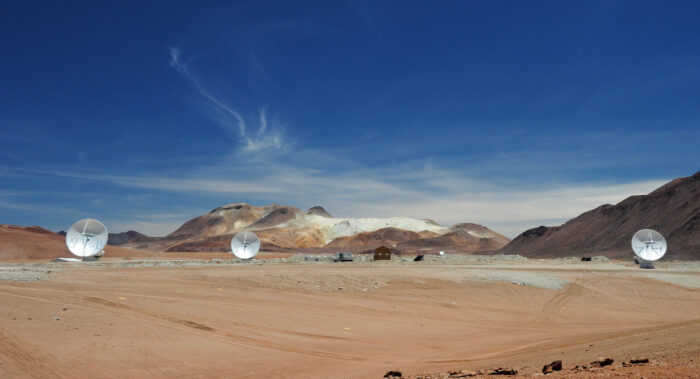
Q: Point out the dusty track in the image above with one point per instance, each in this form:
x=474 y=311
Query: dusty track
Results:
x=324 y=320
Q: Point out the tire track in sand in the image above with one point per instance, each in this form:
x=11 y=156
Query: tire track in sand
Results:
x=228 y=337
x=187 y=326
x=32 y=361
x=552 y=307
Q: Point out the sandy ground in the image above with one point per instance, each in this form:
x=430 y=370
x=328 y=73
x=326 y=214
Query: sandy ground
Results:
x=275 y=318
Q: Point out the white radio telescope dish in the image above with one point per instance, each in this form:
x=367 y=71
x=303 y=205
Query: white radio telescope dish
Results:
x=245 y=245
x=87 y=238
x=649 y=246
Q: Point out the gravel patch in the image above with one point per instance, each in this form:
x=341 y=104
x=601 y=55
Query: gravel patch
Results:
x=683 y=280
x=23 y=274
x=518 y=278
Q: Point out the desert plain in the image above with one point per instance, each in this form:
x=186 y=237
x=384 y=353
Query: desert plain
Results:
x=207 y=315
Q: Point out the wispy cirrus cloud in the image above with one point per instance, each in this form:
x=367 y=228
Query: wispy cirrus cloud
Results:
x=265 y=167
x=267 y=137
x=181 y=67
x=443 y=195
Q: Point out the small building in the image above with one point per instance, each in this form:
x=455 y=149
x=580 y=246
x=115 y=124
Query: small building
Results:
x=382 y=253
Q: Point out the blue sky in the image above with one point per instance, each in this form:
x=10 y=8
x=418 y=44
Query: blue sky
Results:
x=508 y=114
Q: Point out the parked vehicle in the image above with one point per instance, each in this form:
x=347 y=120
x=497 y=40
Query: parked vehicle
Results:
x=342 y=257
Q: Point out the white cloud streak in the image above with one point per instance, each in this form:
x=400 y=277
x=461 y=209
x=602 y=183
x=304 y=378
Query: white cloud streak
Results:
x=266 y=168
x=263 y=121
x=185 y=72
x=34 y=208
x=266 y=138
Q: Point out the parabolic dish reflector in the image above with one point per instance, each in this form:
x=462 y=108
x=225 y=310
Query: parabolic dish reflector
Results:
x=86 y=238
x=245 y=245
x=648 y=245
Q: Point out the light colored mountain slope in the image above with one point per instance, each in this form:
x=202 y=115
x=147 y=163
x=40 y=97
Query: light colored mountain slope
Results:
x=332 y=228
x=221 y=220
x=291 y=228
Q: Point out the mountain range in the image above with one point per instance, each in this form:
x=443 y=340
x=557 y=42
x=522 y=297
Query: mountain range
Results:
x=287 y=228
x=673 y=210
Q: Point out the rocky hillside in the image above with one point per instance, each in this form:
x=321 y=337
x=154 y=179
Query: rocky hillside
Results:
x=30 y=242
x=465 y=236
x=289 y=228
x=673 y=210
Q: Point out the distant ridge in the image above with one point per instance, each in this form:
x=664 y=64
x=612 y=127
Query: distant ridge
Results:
x=278 y=216
x=318 y=211
x=288 y=228
x=116 y=239
x=673 y=210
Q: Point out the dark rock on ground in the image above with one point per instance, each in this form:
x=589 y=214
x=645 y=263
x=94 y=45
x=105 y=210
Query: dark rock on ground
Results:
x=465 y=374
x=602 y=362
x=503 y=371
x=637 y=361
x=554 y=366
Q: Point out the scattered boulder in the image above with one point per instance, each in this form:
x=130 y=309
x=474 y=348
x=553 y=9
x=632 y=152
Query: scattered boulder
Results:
x=503 y=371
x=550 y=368
x=464 y=374
x=636 y=361
x=602 y=362
x=393 y=374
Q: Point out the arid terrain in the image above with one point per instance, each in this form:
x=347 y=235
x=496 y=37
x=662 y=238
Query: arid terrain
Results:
x=180 y=306
x=280 y=316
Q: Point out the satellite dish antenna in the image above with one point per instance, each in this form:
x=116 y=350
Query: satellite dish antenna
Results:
x=245 y=245
x=649 y=246
x=86 y=238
